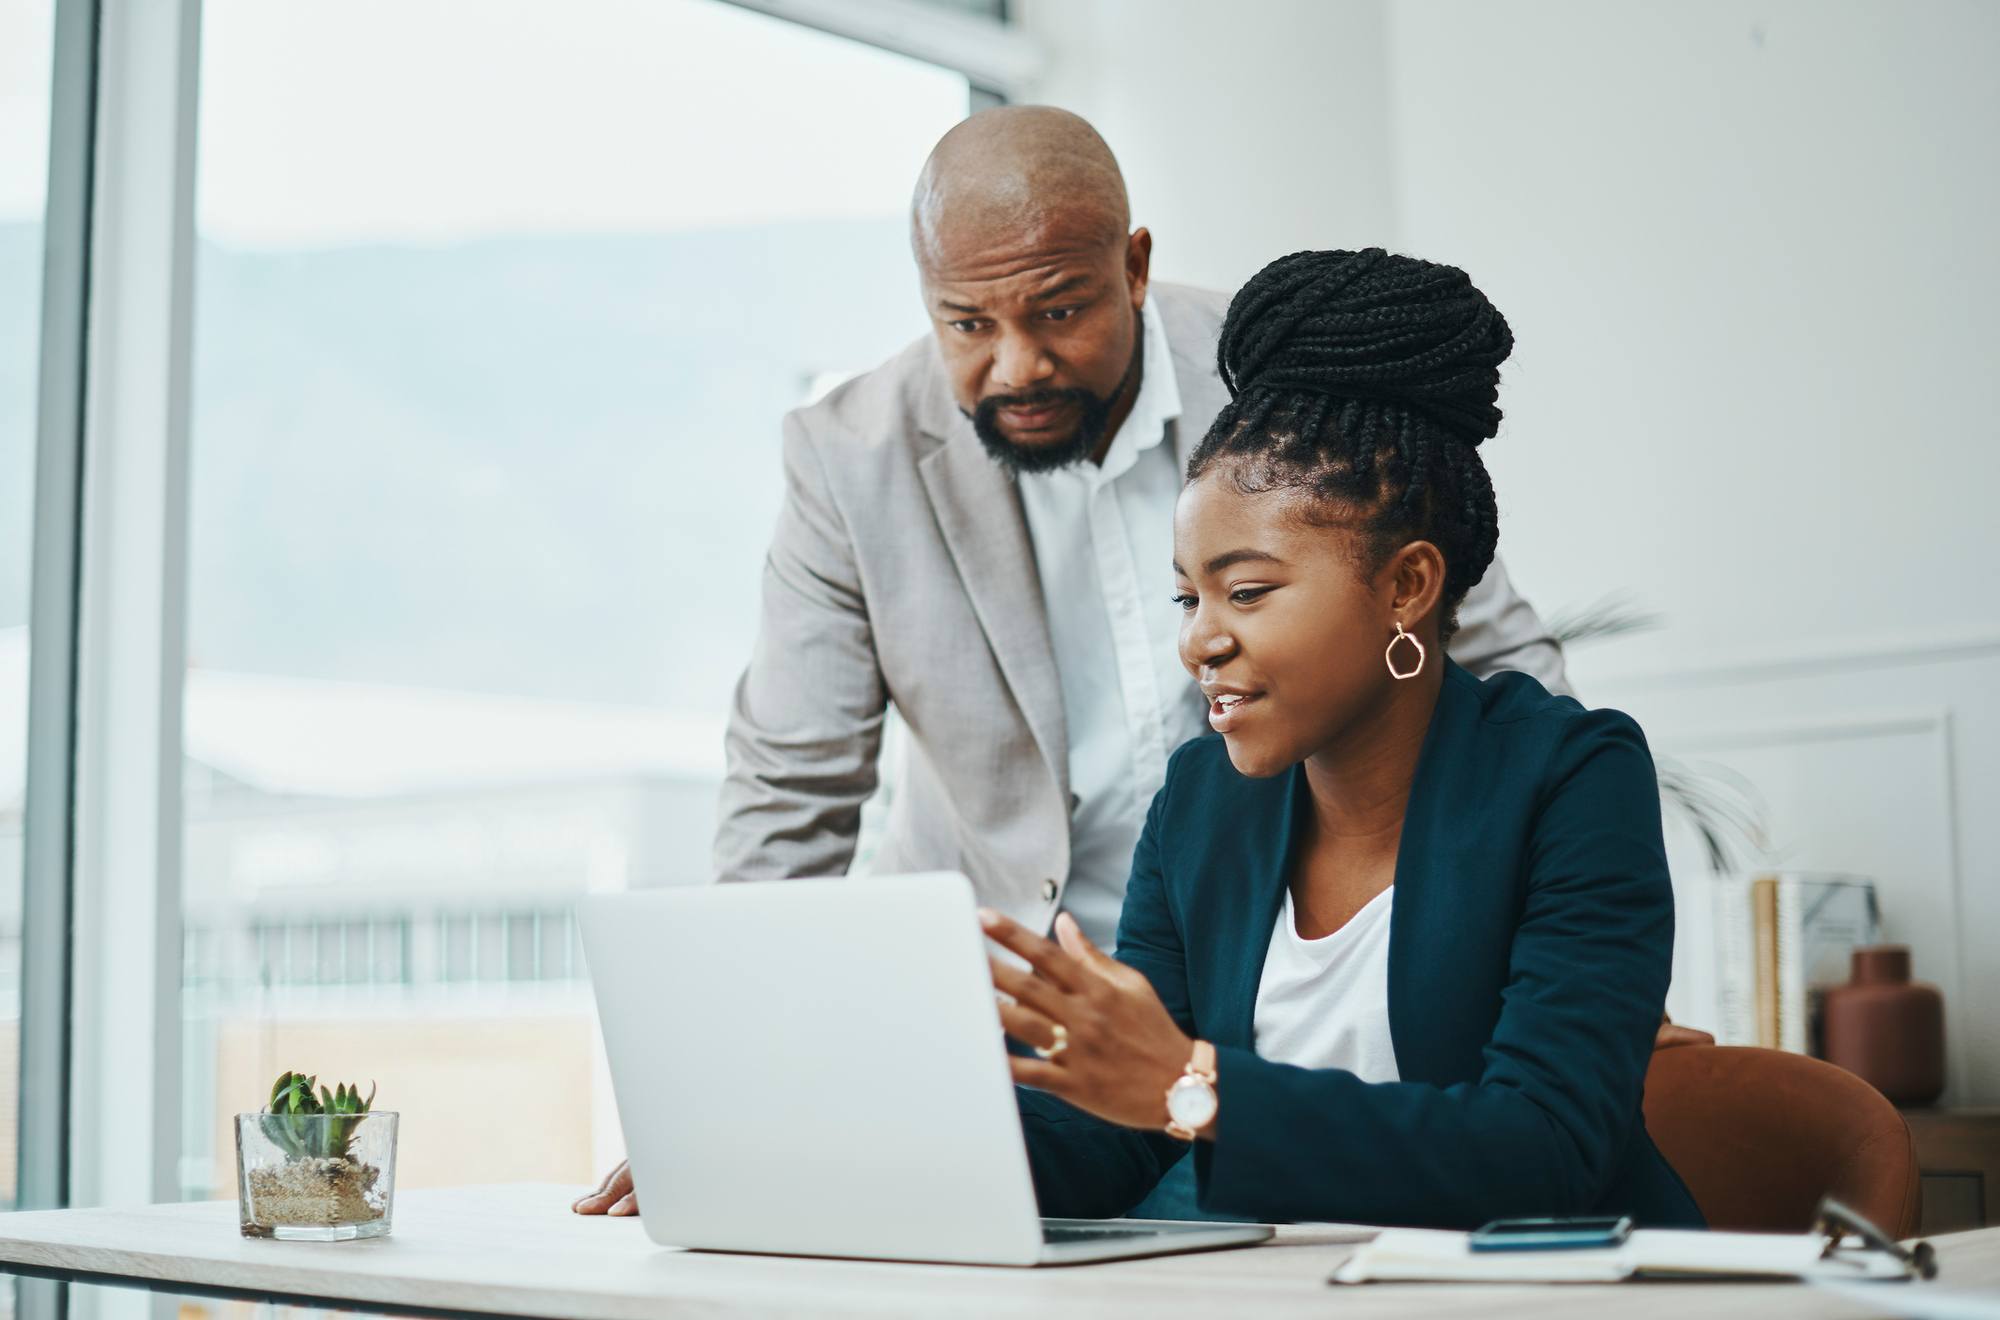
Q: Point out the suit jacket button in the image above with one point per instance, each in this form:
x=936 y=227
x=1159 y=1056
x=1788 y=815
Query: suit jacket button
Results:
x=1048 y=891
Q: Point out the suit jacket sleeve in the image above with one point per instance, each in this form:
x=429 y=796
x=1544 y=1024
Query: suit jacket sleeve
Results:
x=1083 y=1166
x=806 y=723
x=1499 y=630
x=1543 y=1128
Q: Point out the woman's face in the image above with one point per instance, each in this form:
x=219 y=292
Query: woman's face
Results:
x=1279 y=626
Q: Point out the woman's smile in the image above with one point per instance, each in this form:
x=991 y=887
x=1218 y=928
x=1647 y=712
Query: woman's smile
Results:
x=1227 y=707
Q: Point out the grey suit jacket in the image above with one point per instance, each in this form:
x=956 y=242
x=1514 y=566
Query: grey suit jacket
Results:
x=901 y=571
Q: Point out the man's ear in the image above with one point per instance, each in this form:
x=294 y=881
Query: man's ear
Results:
x=1138 y=264
x=1416 y=581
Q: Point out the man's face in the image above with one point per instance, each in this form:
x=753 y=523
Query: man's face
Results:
x=1039 y=332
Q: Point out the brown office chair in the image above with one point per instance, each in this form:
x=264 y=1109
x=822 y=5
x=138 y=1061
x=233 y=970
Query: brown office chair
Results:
x=1760 y=1135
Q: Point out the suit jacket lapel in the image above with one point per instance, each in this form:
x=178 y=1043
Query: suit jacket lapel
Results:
x=1271 y=825
x=1423 y=900
x=978 y=509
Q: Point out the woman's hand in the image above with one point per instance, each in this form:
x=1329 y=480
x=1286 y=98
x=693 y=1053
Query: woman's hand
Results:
x=1123 y=1048
x=614 y=1196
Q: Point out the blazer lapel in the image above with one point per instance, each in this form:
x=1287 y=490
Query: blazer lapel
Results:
x=1270 y=825
x=1272 y=828
x=978 y=509
x=1423 y=900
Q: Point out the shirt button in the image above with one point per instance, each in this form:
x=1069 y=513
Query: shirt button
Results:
x=1048 y=891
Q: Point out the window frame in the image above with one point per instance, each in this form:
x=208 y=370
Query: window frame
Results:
x=1000 y=60
x=48 y=810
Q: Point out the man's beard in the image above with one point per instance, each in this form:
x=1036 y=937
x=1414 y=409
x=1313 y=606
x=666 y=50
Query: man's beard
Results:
x=1094 y=418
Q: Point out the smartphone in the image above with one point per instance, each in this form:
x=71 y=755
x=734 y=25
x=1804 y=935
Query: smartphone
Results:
x=1552 y=1234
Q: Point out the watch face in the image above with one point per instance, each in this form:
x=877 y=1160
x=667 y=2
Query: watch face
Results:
x=1191 y=1102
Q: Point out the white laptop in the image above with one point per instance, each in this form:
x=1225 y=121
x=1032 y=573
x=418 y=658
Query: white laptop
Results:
x=815 y=1067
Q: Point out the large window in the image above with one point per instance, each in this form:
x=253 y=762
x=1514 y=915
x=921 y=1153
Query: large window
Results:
x=497 y=311
x=26 y=41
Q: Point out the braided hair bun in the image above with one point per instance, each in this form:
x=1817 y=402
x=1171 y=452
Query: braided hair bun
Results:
x=1368 y=379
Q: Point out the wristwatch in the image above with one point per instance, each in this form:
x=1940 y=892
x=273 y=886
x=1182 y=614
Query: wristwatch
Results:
x=1191 y=1102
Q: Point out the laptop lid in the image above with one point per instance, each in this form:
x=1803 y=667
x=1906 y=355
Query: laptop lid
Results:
x=813 y=1067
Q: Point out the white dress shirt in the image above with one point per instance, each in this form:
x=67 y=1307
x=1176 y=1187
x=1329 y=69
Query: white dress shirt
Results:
x=1104 y=541
x=1324 y=1003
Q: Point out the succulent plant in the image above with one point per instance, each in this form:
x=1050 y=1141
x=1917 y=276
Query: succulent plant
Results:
x=292 y=1119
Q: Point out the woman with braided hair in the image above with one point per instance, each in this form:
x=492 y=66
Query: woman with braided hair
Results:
x=1396 y=939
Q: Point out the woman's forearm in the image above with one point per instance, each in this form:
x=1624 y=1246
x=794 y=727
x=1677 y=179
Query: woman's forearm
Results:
x=1085 y=1167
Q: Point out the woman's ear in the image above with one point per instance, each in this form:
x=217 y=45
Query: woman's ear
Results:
x=1416 y=580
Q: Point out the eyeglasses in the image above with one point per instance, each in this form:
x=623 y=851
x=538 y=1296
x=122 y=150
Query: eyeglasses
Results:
x=1840 y=1223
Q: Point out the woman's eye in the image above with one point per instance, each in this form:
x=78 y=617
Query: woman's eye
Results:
x=965 y=327
x=1244 y=595
x=1185 y=602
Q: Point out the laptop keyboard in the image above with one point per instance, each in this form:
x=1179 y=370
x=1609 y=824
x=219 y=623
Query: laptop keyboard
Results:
x=1057 y=1234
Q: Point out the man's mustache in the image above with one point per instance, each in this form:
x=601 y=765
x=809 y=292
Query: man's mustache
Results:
x=993 y=403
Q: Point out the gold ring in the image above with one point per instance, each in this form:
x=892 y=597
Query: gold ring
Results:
x=1062 y=1043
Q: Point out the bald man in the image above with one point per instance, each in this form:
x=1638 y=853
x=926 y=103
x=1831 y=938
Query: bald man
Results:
x=980 y=532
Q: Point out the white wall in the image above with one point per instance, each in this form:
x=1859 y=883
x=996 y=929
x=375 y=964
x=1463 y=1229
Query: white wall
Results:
x=1245 y=131
x=1747 y=251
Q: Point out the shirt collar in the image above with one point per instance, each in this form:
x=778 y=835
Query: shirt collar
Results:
x=1158 y=401
x=1159 y=392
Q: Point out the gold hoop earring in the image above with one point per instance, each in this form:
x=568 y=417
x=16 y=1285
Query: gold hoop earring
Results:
x=1389 y=655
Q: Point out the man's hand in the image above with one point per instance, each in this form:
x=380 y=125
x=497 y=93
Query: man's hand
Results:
x=1123 y=1048
x=614 y=1196
x=1670 y=1035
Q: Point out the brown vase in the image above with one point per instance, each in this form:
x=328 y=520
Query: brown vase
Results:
x=1887 y=1029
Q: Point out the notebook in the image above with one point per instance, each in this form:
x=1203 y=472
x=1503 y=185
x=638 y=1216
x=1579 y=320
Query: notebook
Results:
x=1435 y=1256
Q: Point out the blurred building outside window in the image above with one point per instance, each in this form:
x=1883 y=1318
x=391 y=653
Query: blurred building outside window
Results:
x=489 y=364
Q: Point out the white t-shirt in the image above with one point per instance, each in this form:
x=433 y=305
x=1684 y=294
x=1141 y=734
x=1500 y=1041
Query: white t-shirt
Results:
x=1324 y=1003
x=1104 y=546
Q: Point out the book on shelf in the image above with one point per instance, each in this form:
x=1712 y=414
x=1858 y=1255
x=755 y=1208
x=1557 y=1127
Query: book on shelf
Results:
x=1782 y=941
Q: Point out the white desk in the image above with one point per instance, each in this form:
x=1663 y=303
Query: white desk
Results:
x=517 y=1251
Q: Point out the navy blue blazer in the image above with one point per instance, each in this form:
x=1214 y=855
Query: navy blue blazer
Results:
x=1529 y=949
